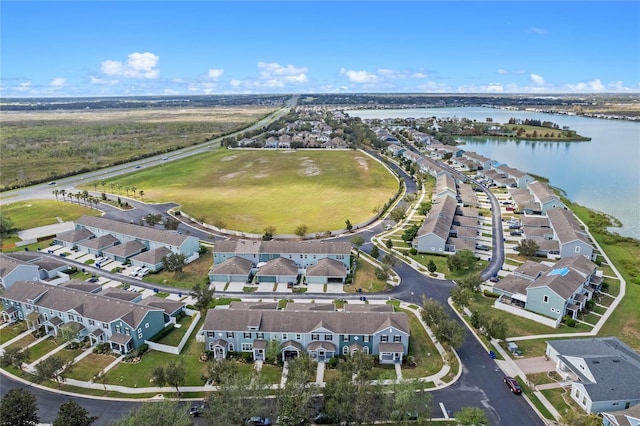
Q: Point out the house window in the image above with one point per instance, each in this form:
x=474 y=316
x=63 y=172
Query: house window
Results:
x=315 y=336
x=345 y=338
x=105 y=325
x=285 y=336
x=92 y=322
x=127 y=332
x=139 y=330
x=345 y=350
x=211 y=346
x=384 y=338
x=231 y=347
x=577 y=249
x=397 y=339
x=545 y=298
x=118 y=329
x=146 y=325
x=230 y=334
x=328 y=337
x=140 y=335
x=298 y=336
x=365 y=338
x=366 y=350
x=71 y=317
x=210 y=334
x=259 y=335
x=247 y=335
x=247 y=347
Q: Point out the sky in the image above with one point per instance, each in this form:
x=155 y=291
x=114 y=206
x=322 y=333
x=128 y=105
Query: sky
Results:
x=126 y=48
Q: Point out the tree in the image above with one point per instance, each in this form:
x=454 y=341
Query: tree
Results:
x=55 y=192
x=52 y=368
x=357 y=241
x=141 y=192
x=6 y=225
x=431 y=266
x=19 y=408
x=272 y=352
x=219 y=369
x=171 y=223
x=471 y=282
x=72 y=414
x=174 y=262
x=294 y=399
x=424 y=208
x=203 y=295
x=301 y=231
x=461 y=296
x=382 y=274
x=269 y=232
x=389 y=243
x=237 y=395
x=375 y=253
x=397 y=214
x=162 y=413
x=14 y=356
x=153 y=219
x=450 y=332
x=389 y=261
x=461 y=260
x=497 y=329
x=471 y=416
x=175 y=374
x=158 y=377
x=432 y=311
x=410 y=396
x=527 y=247
x=348 y=225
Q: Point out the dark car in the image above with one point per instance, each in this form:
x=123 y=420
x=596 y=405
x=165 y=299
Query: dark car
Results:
x=196 y=409
x=259 y=421
x=513 y=385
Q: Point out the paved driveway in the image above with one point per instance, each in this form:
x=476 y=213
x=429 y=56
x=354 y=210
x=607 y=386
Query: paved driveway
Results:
x=535 y=365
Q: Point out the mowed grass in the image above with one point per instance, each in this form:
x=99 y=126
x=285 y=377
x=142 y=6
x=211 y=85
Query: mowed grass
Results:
x=250 y=190
x=89 y=366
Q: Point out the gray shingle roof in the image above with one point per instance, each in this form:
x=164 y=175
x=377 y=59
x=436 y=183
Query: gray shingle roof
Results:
x=278 y=266
x=100 y=308
x=127 y=249
x=152 y=257
x=439 y=219
x=327 y=267
x=273 y=246
x=100 y=242
x=305 y=321
x=233 y=266
x=143 y=232
x=566 y=226
x=74 y=235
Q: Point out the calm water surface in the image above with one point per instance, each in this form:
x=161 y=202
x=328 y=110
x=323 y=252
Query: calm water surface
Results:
x=602 y=174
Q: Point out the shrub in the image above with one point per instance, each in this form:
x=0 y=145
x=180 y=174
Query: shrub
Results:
x=570 y=322
x=102 y=348
x=247 y=356
x=333 y=362
x=413 y=251
x=491 y=294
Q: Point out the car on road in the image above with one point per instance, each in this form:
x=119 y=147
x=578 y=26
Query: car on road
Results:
x=52 y=183
x=513 y=385
x=165 y=158
x=259 y=421
x=138 y=166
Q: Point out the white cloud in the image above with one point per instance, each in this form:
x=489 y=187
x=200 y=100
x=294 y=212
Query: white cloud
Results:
x=276 y=75
x=433 y=87
x=58 y=82
x=502 y=71
x=137 y=65
x=536 y=79
x=359 y=76
x=102 y=81
x=24 y=86
x=215 y=74
x=537 y=30
x=400 y=75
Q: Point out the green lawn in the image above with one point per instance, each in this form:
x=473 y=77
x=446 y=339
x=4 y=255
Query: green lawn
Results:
x=24 y=342
x=192 y=274
x=244 y=190
x=365 y=278
x=11 y=331
x=441 y=265
x=176 y=335
x=271 y=374
x=422 y=349
x=519 y=326
x=89 y=366
x=41 y=349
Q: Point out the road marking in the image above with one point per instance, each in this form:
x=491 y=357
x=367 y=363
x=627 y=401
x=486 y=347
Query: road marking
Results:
x=444 y=411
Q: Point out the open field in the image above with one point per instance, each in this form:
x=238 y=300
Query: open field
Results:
x=248 y=190
x=68 y=142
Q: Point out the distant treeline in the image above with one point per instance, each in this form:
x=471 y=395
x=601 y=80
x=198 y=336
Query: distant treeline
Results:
x=47 y=104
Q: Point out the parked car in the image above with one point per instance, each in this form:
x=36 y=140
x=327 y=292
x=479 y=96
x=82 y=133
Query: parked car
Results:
x=482 y=247
x=515 y=233
x=196 y=409
x=494 y=279
x=135 y=271
x=513 y=385
x=259 y=421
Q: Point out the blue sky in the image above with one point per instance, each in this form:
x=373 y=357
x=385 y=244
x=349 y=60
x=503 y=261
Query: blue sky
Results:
x=112 y=48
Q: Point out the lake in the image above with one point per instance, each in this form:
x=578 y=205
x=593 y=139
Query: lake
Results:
x=602 y=174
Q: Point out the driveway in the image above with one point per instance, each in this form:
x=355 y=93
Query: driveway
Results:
x=535 y=365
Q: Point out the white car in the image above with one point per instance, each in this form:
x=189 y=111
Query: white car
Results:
x=135 y=271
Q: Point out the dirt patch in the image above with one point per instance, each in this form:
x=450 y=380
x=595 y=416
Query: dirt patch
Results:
x=229 y=158
x=362 y=162
x=261 y=175
x=230 y=176
x=308 y=167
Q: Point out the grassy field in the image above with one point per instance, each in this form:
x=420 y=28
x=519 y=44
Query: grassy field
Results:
x=250 y=190
x=423 y=350
x=77 y=141
x=192 y=274
x=89 y=366
x=365 y=278
x=11 y=331
x=34 y=213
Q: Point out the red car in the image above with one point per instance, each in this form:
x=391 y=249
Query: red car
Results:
x=513 y=385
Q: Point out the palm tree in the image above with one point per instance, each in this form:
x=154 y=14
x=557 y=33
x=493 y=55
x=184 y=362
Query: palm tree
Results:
x=141 y=192
x=112 y=185
x=55 y=192
x=127 y=188
x=133 y=189
x=119 y=186
x=95 y=186
x=63 y=193
x=103 y=183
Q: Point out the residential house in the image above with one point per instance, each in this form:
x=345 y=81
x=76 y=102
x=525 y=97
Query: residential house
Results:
x=628 y=417
x=544 y=196
x=521 y=179
x=294 y=258
x=554 y=291
x=572 y=239
x=605 y=372
x=124 y=325
x=321 y=334
x=28 y=266
x=434 y=232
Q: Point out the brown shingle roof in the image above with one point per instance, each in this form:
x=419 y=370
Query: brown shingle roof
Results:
x=273 y=246
x=152 y=257
x=278 y=266
x=233 y=266
x=327 y=267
